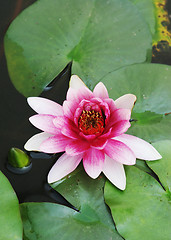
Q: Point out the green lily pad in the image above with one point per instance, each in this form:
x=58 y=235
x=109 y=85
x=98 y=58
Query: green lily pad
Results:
x=146 y=7
x=142 y=165
x=143 y=210
x=51 y=221
x=151 y=84
x=99 y=36
x=10 y=220
x=156 y=15
x=163 y=168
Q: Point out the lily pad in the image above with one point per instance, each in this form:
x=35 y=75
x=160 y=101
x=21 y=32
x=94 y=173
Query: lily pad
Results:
x=99 y=36
x=151 y=84
x=51 y=221
x=10 y=220
x=142 y=165
x=163 y=168
x=143 y=210
x=146 y=7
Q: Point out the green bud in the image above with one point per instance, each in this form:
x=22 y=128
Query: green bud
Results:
x=17 y=158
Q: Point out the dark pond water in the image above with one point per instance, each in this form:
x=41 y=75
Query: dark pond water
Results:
x=15 y=128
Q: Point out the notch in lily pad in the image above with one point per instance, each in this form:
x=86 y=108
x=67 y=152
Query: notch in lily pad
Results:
x=18 y=161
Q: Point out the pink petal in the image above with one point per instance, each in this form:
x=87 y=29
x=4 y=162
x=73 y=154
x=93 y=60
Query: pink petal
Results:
x=59 y=122
x=45 y=106
x=87 y=137
x=141 y=148
x=119 y=115
x=119 y=128
x=66 y=127
x=76 y=147
x=55 y=144
x=115 y=172
x=64 y=165
x=77 y=95
x=33 y=144
x=100 y=91
x=126 y=101
x=93 y=160
x=99 y=143
x=70 y=131
x=76 y=82
x=106 y=134
x=111 y=104
x=119 y=152
x=44 y=123
x=69 y=108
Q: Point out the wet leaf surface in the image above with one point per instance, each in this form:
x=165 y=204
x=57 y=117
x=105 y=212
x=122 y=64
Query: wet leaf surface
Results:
x=93 y=221
x=143 y=210
x=151 y=84
x=10 y=220
x=98 y=36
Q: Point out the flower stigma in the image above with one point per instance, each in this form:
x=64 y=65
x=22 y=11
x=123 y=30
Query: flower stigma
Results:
x=91 y=122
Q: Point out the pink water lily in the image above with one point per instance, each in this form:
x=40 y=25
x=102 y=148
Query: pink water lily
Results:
x=91 y=127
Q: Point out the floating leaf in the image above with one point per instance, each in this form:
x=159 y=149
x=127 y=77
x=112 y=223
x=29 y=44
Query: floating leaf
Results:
x=52 y=221
x=146 y=7
x=142 y=165
x=10 y=220
x=163 y=168
x=143 y=210
x=97 y=35
x=151 y=84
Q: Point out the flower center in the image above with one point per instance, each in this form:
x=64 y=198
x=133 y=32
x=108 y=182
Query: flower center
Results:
x=91 y=122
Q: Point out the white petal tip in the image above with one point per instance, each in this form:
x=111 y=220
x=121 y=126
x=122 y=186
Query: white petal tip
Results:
x=33 y=144
x=29 y=147
x=153 y=154
x=126 y=101
x=122 y=187
x=115 y=172
x=100 y=91
x=52 y=175
x=156 y=156
x=142 y=149
x=30 y=100
x=101 y=84
x=159 y=156
x=26 y=148
x=31 y=119
x=76 y=82
x=93 y=174
x=132 y=97
x=50 y=179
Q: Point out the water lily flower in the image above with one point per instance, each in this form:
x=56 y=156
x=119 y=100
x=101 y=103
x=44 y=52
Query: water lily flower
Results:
x=91 y=127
